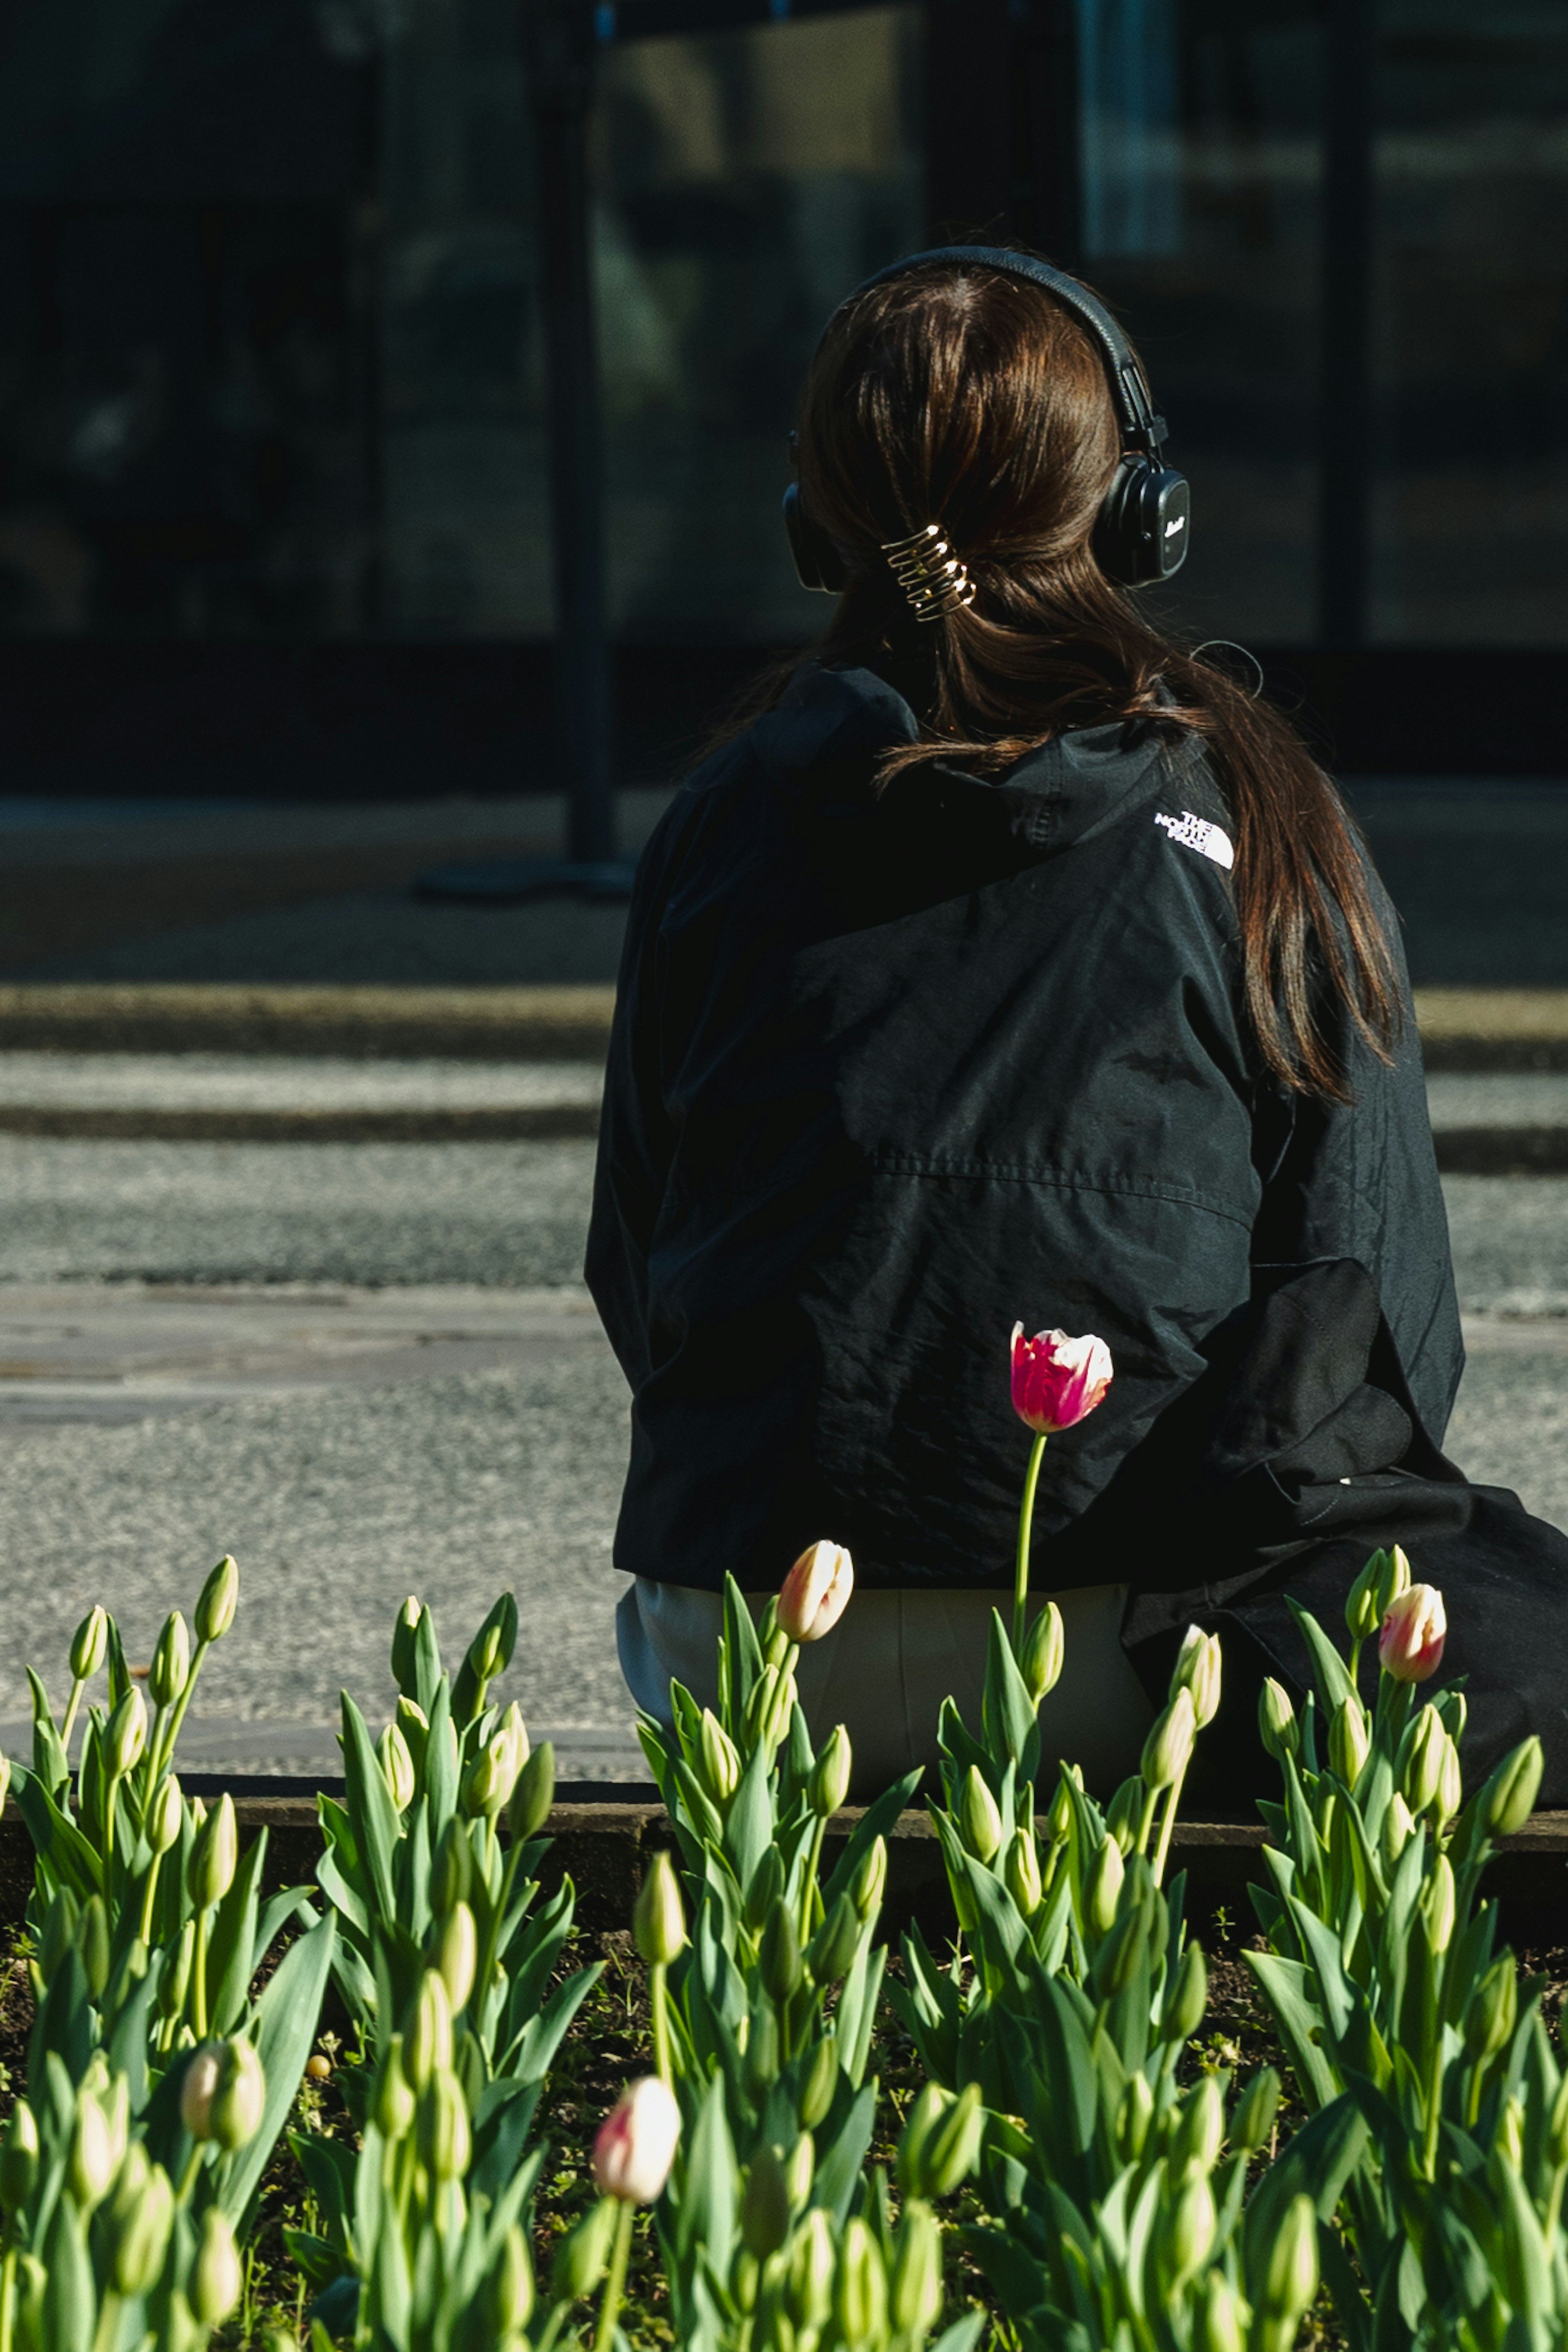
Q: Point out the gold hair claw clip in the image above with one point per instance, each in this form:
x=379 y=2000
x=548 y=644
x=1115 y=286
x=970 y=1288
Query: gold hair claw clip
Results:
x=932 y=578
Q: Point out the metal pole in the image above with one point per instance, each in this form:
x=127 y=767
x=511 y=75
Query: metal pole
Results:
x=558 y=36
x=1345 y=405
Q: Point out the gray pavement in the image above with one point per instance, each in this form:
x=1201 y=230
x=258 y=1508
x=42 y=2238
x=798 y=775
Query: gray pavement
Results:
x=371 y=1370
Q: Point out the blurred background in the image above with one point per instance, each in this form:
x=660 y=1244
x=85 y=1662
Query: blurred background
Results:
x=393 y=404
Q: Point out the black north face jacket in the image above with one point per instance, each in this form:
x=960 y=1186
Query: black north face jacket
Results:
x=889 y=1073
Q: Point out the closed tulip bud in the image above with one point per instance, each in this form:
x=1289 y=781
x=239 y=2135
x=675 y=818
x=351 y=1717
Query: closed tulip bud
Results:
x=927 y=2108
x=533 y=1794
x=766 y=1887
x=165 y=1816
x=1415 y=1628
x=815 y=1593
x=1057 y=1380
x=821 y=2082
x=1124 y=1814
x=1350 y=1742
x=1450 y=1788
x=1200 y=2132
x=457 y=1955
x=1366 y=1603
x=393 y=2099
x=1221 y=2318
x=396 y=1768
x=1116 y=1962
x=778 y=1954
x=441 y=2127
x=1104 y=1890
x=800 y=2170
x=812 y=2262
x=1292 y=2277
x=1188 y=1996
x=1277 y=1725
x=1044 y=1649
x=1134 y=2113
x=94 y=2158
x=1198 y=1671
x=835 y=1943
x=583 y=2253
x=60 y=1923
x=861 y=2289
x=239 y=2096
x=126 y=1737
x=511 y=2294
x=219 y=1599
x=93 y=1943
x=451 y=1869
x=1437 y=1905
x=829 y=1783
x=142 y=2216
x=1508 y=1798
x=636 y=2144
x=1169 y=1745
x=1021 y=1871
x=1394 y=1580
x=215 y=1856
x=1255 y=2111
x=1398 y=1829
x=492 y=1778
x=405 y=1642
x=761 y=2053
x=19 y=2158
x=1058 y=1821
x=1421 y=1759
x=1510 y=2141
x=89 y=1644
x=1454 y=1710
x=1491 y=2010
x=216 y=2277
x=871 y=1881
x=915 y=2300
x=951 y=2149
x=428 y=2036
x=658 y=1917
x=760 y=1705
x=1185 y=2231
x=415 y=1726
x=765 y=2205
x=197 y=2088
x=171 y=1667
x=718 y=1763
x=979 y=1817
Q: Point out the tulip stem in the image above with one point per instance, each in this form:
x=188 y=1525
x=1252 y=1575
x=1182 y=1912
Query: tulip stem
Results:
x=1162 y=1850
x=1025 y=1531
x=808 y=1889
x=167 y=1751
x=658 y=1999
x=199 y=1981
x=147 y=1899
x=67 y=1723
x=7 y=2297
x=614 y=2279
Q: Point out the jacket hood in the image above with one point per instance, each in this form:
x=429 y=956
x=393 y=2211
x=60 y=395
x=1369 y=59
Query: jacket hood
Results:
x=821 y=740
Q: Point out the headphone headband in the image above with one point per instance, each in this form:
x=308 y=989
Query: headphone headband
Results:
x=1134 y=409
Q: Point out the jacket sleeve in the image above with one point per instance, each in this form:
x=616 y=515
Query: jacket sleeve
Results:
x=635 y=1132
x=1360 y=1180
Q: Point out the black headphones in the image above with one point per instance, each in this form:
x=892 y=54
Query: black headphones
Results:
x=1141 y=533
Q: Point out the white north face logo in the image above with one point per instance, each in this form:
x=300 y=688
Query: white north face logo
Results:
x=1196 y=832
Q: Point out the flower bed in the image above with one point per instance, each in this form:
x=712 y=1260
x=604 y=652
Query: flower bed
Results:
x=1047 y=2130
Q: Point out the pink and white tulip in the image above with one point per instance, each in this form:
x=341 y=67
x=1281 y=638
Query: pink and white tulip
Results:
x=1057 y=1380
x=636 y=2144
x=816 y=1592
x=1410 y=1647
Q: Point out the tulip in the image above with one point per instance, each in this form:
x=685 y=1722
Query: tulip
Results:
x=1124 y=1814
x=634 y=2146
x=171 y=1666
x=821 y=2082
x=1188 y=1997
x=215 y=1856
x=761 y=2053
x=1104 y=1891
x=1221 y=2325
x=1292 y=2275
x=457 y=1955
x=812 y=2263
x=1450 y=1786
x=860 y=2291
x=126 y=1737
x=1510 y=2142
x=451 y=1868
x=1508 y=1798
x=1169 y=1746
x=1277 y=1725
x=427 y=2037
x=489 y=1651
x=870 y=1881
x=1021 y=1870
x=778 y=1954
x=142 y=2215
x=396 y=1768
x=581 y=2257
x=835 y=1943
x=1350 y=1742
x=1057 y=1380
x=404 y=1640
x=511 y=2287
x=830 y=1782
x=1438 y=1906
x=493 y=1774
x=165 y=1816
x=216 y=2277
x=1410 y=1647
x=1200 y=2131
x=979 y=1817
x=220 y=1599
x=1185 y=2231
x=1364 y=1604
x=659 y=1916
x=1398 y=1829
x=196 y=2091
x=19 y=2158
x=765 y=2205
x=915 y=2305
x=718 y=1759
x=1198 y=1670
x=815 y=1593
x=94 y=2158
x=89 y=1644
x=441 y=2126
x=1421 y=1759
x=1491 y=2011
x=1134 y=2113
x=1041 y=1660
x=1255 y=2111
x=801 y=2170
x=239 y=2096
x=532 y=1795
x=393 y=2099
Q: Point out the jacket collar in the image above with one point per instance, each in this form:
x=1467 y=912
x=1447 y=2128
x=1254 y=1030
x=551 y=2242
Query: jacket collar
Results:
x=822 y=738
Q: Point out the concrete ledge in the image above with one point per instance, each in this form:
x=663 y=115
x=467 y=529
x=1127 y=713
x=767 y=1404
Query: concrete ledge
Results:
x=1489 y=1150
x=133 y=1123
x=485 y=1025
x=1493 y=1028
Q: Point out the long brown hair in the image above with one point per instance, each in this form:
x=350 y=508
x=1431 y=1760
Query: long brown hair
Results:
x=959 y=396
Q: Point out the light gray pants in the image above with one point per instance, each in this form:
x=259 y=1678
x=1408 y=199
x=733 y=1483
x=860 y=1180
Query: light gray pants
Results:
x=889 y=1663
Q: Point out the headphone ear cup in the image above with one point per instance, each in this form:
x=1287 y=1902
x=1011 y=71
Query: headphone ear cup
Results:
x=817 y=563
x=1144 y=518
